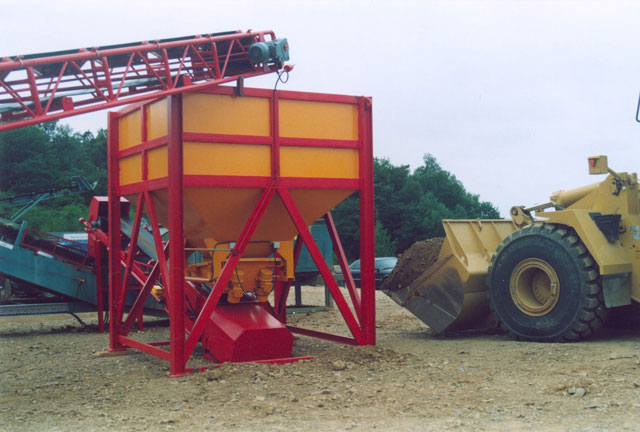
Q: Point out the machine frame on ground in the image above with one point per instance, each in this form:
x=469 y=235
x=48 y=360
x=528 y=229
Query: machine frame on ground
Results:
x=49 y=86
x=275 y=188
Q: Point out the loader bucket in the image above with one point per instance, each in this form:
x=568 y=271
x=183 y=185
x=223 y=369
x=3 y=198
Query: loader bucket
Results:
x=451 y=292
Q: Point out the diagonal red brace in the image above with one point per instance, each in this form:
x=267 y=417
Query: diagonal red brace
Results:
x=142 y=297
x=227 y=270
x=155 y=231
x=318 y=259
x=344 y=265
x=133 y=248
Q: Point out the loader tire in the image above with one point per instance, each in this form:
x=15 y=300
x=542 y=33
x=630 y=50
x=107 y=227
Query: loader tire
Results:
x=544 y=285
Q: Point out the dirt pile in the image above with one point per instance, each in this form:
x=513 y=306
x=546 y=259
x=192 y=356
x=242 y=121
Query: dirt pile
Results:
x=361 y=355
x=412 y=263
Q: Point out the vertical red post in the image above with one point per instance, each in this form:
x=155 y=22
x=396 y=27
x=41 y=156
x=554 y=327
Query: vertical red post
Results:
x=275 y=130
x=176 y=237
x=115 y=272
x=367 y=224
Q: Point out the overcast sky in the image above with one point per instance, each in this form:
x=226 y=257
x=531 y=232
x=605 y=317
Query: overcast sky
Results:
x=509 y=96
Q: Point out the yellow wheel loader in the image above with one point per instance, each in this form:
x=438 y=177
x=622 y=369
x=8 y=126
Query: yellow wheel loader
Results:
x=552 y=273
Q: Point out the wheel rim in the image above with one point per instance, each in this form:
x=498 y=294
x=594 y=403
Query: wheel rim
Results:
x=534 y=287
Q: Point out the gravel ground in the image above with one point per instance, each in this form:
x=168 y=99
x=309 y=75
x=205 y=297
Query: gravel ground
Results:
x=50 y=380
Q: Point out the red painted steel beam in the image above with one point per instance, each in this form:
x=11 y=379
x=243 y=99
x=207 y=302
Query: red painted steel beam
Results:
x=177 y=333
x=144 y=347
x=367 y=223
x=157 y=240
x=318 y=259
x=133 y=248
x=142 y=298
x=115 y=272
x=275 y=132
x=322 y=335
x=44 y=87
x=344 y=265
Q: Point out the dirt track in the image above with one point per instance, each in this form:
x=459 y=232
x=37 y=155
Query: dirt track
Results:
x=51 y=380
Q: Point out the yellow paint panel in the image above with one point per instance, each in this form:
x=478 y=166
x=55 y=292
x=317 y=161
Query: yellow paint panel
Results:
x=318 y=162
x=225 y=211
x=158 y=163
x=129 y=133
x=321 y=120
x=227 y=159
x=222 y=114
x=157 y=119
x=315 y=203
x=130 y=169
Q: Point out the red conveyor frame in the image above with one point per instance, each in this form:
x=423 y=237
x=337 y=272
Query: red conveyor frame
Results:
x=43 y=87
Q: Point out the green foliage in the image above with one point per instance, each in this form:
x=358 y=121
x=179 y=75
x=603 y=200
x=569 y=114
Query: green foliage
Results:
x=385 y=246
x=39 y=158
x=409 y=207
x=56 y=217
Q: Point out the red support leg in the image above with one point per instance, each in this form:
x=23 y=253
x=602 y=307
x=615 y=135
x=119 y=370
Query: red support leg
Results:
x=367 y=222
x=176 y=238
x=318 y=259
x=115 y=273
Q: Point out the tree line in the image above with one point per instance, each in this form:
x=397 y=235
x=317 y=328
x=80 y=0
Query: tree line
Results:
x=40 y=158
x=408 y=205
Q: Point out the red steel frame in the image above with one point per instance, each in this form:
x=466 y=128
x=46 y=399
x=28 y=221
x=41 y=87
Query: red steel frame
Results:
x=185 y=335
x=44 y=87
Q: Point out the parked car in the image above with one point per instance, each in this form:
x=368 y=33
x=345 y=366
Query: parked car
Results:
x=384 y=265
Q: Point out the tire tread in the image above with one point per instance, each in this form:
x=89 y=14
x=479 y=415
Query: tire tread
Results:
x=592 y=313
